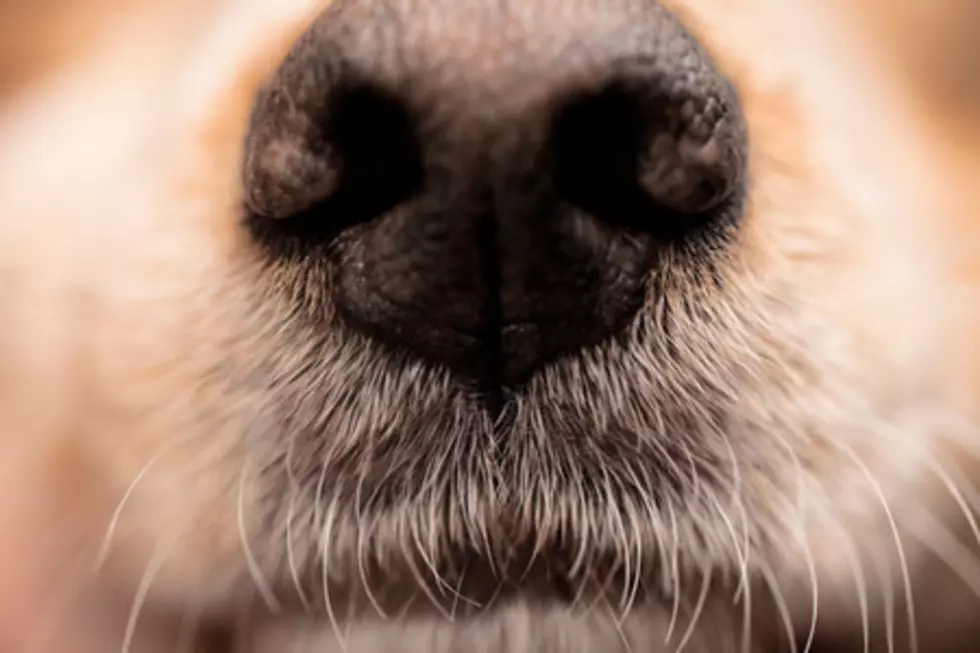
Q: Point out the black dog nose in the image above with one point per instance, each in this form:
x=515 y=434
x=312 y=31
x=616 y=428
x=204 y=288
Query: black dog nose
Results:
x=491 y=185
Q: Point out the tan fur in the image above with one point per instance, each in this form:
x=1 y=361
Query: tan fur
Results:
x=127 y=293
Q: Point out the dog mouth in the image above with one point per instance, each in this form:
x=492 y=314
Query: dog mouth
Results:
x=603 y=478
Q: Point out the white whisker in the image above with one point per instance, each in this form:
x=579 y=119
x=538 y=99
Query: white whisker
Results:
x=782 y=607
x=900 y=549
x=940 y=540
x=698 y=609
x=103 y=554
x=153 y=567
x=860 y=581
x=814 y=588
x=290 y=552
x=254 y=569
x=325 y=550
x=675 y=572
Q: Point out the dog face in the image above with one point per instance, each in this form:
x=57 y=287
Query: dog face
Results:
x=490 y=309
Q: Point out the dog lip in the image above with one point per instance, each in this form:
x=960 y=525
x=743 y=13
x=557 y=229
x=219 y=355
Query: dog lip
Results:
x=473 y=335
x=461 y=349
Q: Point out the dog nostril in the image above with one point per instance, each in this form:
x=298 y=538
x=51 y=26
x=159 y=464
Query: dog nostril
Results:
x=349 y=149
x=663 y=159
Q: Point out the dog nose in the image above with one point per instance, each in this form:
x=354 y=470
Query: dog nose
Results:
x=490 y=186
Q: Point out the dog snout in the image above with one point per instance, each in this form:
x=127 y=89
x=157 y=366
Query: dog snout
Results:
x=484 y=189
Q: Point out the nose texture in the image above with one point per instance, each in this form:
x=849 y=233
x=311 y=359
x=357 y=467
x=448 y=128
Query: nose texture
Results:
x=491 y=184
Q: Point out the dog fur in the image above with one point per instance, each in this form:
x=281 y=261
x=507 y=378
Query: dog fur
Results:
x=160 y=393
